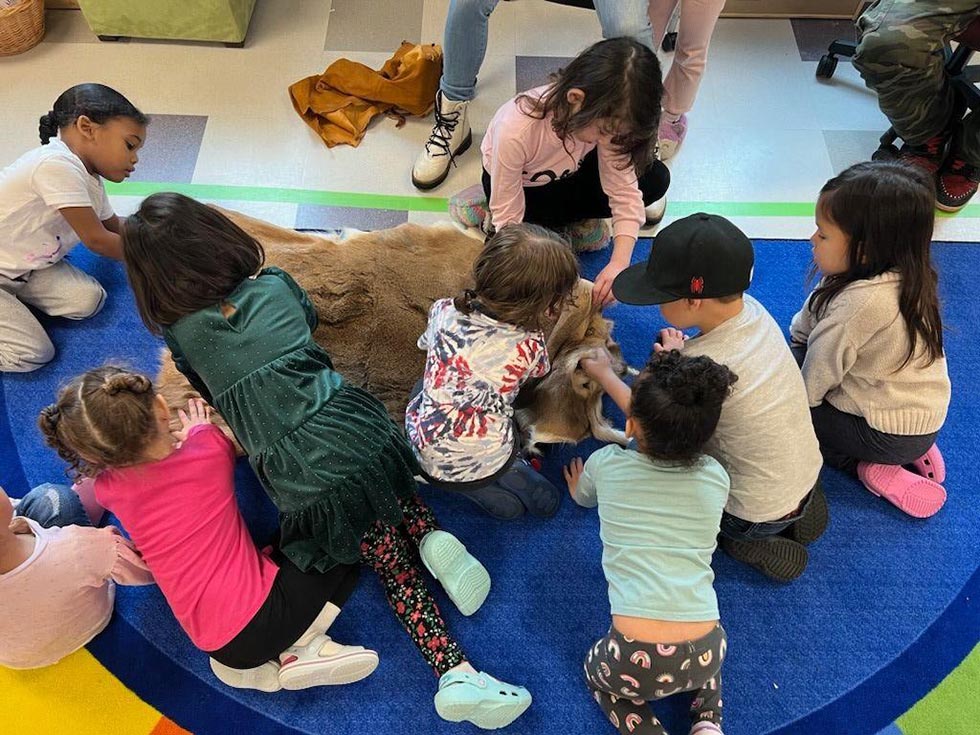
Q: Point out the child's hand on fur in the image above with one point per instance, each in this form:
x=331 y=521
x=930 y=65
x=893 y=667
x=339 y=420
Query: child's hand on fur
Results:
x=198 y=412
x=670 y=339
x=572 y=472
x=597 y=363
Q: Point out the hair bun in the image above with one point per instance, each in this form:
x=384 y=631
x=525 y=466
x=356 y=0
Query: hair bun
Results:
x=48 y=127
x=130 y=382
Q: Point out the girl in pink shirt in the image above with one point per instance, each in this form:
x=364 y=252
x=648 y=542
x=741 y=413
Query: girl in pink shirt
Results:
x=581 y=149
x=260 y=618
x=59 y=577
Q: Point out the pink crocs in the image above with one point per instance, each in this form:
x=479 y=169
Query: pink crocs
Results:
x=931 y=465
x=918 y=496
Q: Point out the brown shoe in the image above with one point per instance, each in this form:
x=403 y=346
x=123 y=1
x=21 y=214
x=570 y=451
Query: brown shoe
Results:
x=957 y=183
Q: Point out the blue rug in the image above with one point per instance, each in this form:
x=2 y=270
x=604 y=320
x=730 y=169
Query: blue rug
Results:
x=886 y=609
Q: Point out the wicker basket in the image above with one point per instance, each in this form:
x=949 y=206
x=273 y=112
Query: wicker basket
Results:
x=21 y=27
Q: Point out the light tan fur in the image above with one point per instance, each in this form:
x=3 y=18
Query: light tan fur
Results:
x=373 y=290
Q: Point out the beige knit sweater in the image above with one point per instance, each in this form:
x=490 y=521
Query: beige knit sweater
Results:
x=854 y=357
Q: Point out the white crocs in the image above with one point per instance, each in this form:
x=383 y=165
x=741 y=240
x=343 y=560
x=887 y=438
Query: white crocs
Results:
x=324 y=662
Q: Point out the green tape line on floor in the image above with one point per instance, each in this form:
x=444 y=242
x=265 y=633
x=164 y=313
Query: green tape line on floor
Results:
x=355 y=200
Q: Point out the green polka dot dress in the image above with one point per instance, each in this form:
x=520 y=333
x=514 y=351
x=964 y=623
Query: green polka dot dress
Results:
x=326 y=452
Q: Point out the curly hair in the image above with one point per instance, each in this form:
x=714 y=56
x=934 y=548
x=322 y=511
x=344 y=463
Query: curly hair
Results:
x=103 y=418
x=524 y=276
x=676 y=402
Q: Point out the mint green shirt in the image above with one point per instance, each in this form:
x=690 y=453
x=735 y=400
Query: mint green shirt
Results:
x=658 y=525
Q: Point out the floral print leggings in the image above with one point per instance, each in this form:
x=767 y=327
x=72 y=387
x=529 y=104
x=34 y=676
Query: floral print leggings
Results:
x=392 y=552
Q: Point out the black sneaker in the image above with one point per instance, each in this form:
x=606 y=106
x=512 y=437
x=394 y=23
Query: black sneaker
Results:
x=814 y=521
x=779 y=558
x=539 y=496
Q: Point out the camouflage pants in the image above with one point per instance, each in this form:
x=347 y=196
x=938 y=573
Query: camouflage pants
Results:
x=900 y=57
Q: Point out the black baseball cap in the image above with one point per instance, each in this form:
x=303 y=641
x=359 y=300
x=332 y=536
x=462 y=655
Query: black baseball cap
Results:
x=703 y=256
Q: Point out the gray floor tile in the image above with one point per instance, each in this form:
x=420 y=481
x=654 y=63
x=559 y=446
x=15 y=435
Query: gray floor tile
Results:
x=533 y=71
x=813 y=36
x=373 y=25
x=847 y=147
x=310 y=216
x=172 y=146
x=67 y=26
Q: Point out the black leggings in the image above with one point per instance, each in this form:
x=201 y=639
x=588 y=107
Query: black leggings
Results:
x=580 y=196
x=295 y=600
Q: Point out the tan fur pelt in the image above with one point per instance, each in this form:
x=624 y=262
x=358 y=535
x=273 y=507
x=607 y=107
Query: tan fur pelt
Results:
x=372 y=292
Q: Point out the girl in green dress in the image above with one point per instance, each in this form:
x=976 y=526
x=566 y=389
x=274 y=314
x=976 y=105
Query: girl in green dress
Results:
x=337 y=468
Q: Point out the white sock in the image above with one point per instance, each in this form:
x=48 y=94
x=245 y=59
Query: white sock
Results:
x=464 y=668
x=322 y=623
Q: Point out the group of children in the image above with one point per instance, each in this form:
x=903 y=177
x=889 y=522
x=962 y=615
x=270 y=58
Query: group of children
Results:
x=727 y=431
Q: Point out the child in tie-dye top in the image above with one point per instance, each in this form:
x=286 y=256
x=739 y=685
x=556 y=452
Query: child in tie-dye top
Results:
x=482 y=347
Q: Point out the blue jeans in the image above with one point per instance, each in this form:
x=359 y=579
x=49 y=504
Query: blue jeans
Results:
x=739 y=529
x=626 y=18
x=53 y=505
x=464 y=45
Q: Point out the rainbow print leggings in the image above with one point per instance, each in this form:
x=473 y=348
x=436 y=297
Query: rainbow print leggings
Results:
x=624 y=675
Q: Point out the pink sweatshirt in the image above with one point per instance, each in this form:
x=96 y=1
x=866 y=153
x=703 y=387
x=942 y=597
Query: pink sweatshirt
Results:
x=61 y=597
x=520 y=150
x=182 y=514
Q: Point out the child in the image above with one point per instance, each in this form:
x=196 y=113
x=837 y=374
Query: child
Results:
x=568 y=154
x=877 y=384
x=340 y=472
x=697 y=272
x=57 y=580
x=482 y=347
x=52 y=197
x=260 y=619
x=660 y=506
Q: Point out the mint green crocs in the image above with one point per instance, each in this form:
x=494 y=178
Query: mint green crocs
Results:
x=465 y=580
x=486 y=702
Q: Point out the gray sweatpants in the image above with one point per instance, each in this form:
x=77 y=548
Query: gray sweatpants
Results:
x=624 y=675
x=58 y=290
x=900 y=57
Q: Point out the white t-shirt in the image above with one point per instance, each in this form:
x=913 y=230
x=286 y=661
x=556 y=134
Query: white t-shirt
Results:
x=765 y=438
x=33 y=233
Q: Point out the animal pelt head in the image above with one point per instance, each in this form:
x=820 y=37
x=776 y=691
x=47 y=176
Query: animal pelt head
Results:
x=372 y=292
x=566 y=404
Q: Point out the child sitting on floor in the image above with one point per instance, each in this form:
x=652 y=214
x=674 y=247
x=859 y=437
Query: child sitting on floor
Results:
x=581 y=149
x=482 y=347
x=697 y=272
x=870 y=338
x=660 y=506
x=57 y=576
x=52 y=197
x=260 y=619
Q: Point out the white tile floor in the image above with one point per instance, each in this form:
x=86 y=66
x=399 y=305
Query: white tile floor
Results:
x=763 y=129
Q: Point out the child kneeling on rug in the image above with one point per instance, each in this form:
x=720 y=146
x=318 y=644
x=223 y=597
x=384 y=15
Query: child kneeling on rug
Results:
x=870 y=337
x=260 y=619
x=660 y=507
x=482 y=347
x=698 y=270
x=58 y=575
x=579 y=150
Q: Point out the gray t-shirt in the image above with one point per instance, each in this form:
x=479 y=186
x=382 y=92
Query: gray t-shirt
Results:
x=765 y=437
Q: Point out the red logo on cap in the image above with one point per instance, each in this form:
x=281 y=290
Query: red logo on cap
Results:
x=697 y=284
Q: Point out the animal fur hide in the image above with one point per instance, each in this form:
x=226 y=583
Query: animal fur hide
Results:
x=373 y=291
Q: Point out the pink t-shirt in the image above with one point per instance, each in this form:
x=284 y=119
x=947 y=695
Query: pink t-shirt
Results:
x=521 y=150
x=61 y=596
x=182 y=514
